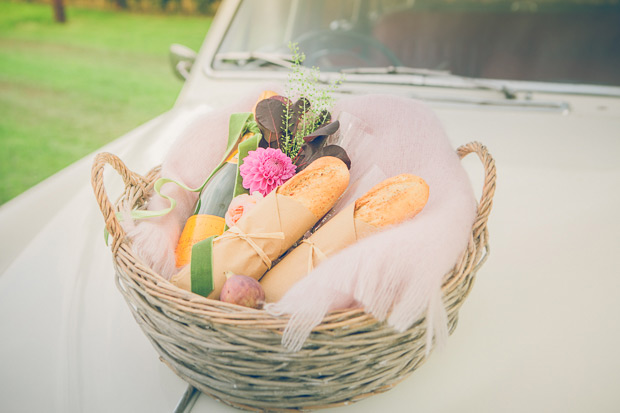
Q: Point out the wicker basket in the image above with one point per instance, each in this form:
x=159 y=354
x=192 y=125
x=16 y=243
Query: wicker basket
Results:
x=234 y=354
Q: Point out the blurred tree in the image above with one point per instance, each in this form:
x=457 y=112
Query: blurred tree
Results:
x=207 y=6
x=59 y=11
x=164 y=4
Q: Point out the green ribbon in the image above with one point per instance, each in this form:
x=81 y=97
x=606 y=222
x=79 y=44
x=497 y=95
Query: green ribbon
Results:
x=236 y=128
x=238 y=124
x=201 y=267
x=245 y=147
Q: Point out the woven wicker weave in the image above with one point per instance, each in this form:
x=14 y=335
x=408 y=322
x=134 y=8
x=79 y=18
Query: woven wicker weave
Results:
x=234 y=354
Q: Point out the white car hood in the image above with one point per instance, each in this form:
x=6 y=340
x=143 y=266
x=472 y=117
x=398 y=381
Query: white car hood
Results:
x=69 y=342
x=539 y=331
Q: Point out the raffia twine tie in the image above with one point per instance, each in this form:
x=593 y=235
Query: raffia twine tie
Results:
x=236 y=232
x=313 y=250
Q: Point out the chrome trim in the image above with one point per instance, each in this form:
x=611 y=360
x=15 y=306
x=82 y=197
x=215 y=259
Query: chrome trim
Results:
x=562 y=107
x=514 y=86
x=543 y=106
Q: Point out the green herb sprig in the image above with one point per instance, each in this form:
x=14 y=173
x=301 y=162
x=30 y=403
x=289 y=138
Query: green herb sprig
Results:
x=299 y=122
x=316 y=101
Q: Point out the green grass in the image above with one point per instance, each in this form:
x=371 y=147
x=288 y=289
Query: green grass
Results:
x=67 y=89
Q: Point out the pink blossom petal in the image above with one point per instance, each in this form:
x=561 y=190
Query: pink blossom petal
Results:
x=265 y=169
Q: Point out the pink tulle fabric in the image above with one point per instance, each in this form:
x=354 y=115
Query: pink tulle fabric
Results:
x=394 y=275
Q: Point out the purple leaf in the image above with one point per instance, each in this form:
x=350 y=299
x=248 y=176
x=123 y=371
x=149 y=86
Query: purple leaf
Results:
x=284 y=100
x=269 y=115
x=298 y=110
x=309 y=155
x=324 y=130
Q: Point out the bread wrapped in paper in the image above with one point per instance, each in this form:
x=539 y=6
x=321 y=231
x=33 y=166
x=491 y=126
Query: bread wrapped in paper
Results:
x=389 y=203
x=275 y=223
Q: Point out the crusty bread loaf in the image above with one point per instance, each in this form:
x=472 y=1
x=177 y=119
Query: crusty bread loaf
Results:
x=319 y=186
x=389 y=203
x=392 y=201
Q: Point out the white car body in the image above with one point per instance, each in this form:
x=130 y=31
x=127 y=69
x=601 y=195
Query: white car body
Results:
x=539 y=332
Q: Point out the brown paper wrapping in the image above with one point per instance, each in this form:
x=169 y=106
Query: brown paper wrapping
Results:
x=337 y=234
x=263 y=234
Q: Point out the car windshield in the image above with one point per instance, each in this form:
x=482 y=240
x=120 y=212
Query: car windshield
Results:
x=558 y=41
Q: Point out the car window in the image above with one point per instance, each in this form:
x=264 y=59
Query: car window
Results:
x=545 y=40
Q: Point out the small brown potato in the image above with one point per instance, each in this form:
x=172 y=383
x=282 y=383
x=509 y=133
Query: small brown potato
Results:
x=243 y=290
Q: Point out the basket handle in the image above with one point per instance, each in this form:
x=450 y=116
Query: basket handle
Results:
x=488 y=188
x=130 y=178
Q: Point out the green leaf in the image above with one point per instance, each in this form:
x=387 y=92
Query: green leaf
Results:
x=245 y=147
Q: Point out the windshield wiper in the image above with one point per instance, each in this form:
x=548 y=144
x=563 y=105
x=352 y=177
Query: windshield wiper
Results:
x=243 y=58
x=404 y=70
x=395 y=70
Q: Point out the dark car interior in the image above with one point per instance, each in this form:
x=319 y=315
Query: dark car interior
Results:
x=557 y=41
x=566 y=47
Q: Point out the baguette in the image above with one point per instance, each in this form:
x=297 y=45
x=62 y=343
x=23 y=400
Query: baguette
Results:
x=319 y=186
x=391 y=202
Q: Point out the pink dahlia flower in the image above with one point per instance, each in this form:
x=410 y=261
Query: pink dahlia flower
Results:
x=240 y=205
x=263 y=170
